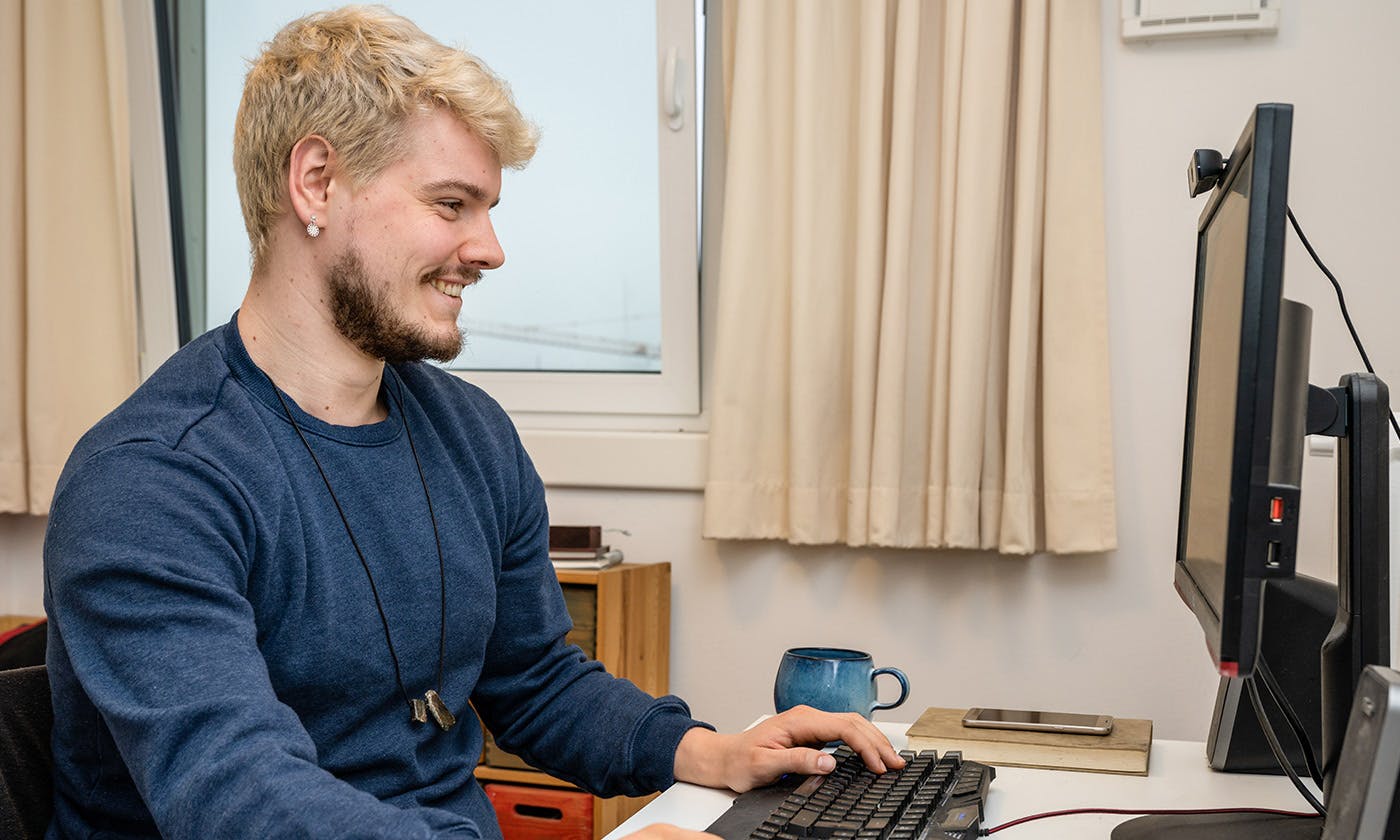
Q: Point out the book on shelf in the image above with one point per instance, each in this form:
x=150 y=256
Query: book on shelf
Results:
x=604 y=559
x=1125 y=750
x=579 y=553
x=575 y=537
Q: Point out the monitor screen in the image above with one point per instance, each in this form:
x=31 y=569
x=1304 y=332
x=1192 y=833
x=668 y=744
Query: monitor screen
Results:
x=1216 y=387
x=1238 y=519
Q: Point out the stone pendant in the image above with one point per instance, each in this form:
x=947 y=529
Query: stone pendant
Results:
x=420 y=710
x=438 y=709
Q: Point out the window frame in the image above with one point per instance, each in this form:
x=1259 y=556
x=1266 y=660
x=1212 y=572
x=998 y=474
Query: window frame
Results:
x=535 y=398
x=613 y=433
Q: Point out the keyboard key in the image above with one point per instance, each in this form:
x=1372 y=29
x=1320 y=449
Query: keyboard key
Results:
x=961 y=819
x=809 y=787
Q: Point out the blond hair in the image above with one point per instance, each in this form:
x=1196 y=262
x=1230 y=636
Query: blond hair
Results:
x=356 y=76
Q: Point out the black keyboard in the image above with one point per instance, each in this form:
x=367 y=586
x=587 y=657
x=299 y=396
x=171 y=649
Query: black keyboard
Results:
x=931 y=797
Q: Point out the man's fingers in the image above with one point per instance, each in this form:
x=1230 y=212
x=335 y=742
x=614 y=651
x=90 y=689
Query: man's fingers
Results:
x=872 y=745
x=780 y=745
x=770 y=764
x=856 y=732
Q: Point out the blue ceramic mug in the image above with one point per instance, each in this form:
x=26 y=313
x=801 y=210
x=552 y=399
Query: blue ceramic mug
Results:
x=832 y=679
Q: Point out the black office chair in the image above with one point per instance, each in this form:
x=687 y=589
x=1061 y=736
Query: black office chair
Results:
x=26 y=758
x=24 y=645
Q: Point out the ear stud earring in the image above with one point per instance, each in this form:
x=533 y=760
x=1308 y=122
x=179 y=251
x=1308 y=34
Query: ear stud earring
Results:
x=313 y=230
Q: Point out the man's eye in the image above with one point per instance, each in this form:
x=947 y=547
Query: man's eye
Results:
x=450 y=204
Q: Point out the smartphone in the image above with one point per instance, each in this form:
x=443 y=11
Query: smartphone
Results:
x=1039 y=721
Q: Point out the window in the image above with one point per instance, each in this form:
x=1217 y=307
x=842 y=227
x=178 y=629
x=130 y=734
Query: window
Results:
x=597 y=308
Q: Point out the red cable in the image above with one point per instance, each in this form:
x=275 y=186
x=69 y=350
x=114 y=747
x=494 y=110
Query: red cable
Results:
x=1149 y=813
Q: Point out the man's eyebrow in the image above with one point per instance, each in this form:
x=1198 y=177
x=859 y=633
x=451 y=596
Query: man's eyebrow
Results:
x=464 y=186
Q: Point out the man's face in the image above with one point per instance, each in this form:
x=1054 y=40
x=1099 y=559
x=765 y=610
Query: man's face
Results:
x=418 y=234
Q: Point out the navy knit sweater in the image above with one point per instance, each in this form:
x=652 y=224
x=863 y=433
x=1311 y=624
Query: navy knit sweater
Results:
x=218 y=664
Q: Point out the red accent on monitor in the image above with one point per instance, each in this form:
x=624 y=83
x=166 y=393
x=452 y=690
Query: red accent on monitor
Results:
x=1229 y=669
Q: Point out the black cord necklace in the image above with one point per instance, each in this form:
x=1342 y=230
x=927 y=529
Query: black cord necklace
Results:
x=431 y=702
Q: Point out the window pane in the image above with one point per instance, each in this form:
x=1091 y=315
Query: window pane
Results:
x=581 y=287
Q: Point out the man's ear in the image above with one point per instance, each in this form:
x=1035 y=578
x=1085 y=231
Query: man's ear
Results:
x=310 y=168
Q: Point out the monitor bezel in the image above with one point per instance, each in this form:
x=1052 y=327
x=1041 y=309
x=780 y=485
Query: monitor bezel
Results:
x=1232 y=627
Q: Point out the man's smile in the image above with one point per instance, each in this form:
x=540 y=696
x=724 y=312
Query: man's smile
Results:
x=448 y=287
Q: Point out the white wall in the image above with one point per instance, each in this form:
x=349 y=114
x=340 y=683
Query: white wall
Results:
x=1094 y=633
x=1103 y=633
x=21 y=568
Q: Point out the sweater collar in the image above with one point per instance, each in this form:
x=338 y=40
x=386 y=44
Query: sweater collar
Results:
x=257 y=383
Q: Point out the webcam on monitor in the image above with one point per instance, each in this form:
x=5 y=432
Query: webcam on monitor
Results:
x=1205 y=170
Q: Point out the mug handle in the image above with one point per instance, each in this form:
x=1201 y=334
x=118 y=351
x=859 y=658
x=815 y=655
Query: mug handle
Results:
x=903 y=687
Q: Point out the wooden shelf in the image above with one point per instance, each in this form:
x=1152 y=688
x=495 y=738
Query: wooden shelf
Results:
x=486 y=773
x=586 y=577
x=10 y=622
x=633 y=641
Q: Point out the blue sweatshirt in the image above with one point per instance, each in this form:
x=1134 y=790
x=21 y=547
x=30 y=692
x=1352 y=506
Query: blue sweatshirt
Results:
x=218 y=664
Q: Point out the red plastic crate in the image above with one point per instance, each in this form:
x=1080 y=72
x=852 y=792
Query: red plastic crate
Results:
x=536 y=813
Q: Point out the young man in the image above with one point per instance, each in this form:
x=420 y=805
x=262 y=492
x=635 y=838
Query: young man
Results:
x=280 y=572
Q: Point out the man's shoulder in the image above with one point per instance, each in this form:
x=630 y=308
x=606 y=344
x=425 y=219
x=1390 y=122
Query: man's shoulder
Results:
x=182 y=395
x=441 y=392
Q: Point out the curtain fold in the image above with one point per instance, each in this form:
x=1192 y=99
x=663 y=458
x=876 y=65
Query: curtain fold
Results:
x=912 y=337
x=67 y=261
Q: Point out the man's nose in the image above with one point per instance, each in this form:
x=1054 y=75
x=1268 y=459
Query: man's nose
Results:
x=482 y=250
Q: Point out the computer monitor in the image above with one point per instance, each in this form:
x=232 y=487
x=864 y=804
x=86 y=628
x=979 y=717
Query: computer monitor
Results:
x=1246 y=404
x=1248 y=408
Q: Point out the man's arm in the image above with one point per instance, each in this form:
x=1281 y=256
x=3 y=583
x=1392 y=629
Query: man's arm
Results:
x=542 y=699
x=146 y=564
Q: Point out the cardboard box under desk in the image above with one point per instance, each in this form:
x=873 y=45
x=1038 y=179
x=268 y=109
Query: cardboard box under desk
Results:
x=535 y=813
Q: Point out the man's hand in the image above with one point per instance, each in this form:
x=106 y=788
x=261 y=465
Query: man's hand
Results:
x=662 y=831
x=761 y=754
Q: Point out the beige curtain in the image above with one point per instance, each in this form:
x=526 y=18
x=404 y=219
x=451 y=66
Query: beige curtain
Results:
x=912 y=338
x=68 y=350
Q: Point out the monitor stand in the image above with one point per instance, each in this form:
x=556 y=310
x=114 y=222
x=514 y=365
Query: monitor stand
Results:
x=1357 y=414
x=1360 y=636
x=1298 y=612
x=1220 y=827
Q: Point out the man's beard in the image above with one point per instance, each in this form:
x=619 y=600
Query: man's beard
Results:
x=366 y=318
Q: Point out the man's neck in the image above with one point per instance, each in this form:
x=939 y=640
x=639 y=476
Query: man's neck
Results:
x=292 y=338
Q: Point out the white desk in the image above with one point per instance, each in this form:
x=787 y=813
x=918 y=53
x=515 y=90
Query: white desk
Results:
x=1178 y=778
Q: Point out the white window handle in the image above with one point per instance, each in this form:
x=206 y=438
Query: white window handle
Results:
x=672 y=91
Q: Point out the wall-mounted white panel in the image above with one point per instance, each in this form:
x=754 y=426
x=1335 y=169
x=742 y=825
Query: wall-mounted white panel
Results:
x=1145 y=20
